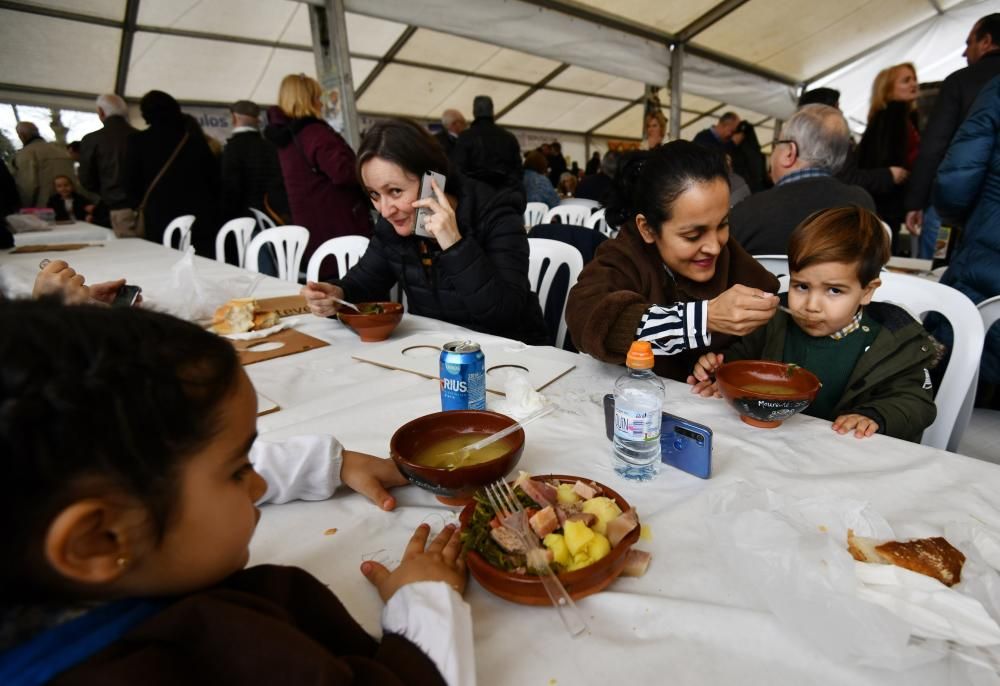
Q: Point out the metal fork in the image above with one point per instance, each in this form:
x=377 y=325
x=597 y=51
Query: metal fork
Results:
x=505 y=503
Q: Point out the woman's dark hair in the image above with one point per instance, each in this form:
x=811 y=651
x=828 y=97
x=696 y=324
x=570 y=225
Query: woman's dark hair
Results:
x=649 y=182
x=750 y=139
x=97 y=398
x=160 y=109
x=403 y=142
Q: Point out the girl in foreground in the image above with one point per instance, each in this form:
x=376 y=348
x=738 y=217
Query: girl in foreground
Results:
x=127 y=433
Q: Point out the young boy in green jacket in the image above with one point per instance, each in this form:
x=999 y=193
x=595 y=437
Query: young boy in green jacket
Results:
x=872 y=358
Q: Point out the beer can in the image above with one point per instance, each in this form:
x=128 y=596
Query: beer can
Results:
x=463 y=376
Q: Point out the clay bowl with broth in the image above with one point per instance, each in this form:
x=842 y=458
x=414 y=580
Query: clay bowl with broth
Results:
x=375 y=321
x=418 y=448
x=766 y=393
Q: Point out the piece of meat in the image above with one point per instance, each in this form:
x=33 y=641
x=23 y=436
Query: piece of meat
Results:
x=508 y=539
x=636 y=562
x=540 y=492
x=619 y=527
x=584 y=491
x=588 y=518
x=544 y=522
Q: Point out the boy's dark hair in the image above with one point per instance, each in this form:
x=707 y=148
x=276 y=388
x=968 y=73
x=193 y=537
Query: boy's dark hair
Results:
x=842 y=234
x=92 y=397
x=649 y=182
x=403 y=142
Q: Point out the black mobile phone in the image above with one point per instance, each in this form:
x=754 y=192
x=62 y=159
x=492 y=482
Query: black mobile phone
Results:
x=126 y=296
x=684 y=444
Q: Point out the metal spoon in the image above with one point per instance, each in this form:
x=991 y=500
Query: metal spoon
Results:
x=344 y=302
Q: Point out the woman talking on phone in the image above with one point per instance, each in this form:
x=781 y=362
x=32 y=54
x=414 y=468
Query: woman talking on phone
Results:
x=470 y=266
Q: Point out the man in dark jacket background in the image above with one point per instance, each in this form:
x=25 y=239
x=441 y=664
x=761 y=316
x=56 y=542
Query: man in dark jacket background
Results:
x=452 y=125
x=955 y=98
x=811 y=149
x=488 y=152
x=102 y=161
x=250 y=167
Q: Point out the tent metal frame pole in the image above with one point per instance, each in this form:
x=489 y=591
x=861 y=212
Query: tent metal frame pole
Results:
x=333 y=62
x=614 y=115
x=125 y=49
x=60 y=14
x=384 y=61
x=223 y=37
x=676 y=82
x=712 y=16
x=532 y=89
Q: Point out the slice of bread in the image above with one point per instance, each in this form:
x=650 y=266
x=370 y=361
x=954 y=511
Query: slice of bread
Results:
x=235 y=316
x=265 y=320
x=933 y=557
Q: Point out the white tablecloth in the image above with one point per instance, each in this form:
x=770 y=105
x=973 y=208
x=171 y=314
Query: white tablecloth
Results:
x=77 y=232
x=685 y=621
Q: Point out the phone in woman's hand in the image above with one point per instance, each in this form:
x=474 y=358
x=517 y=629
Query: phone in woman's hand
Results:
x=427 y=192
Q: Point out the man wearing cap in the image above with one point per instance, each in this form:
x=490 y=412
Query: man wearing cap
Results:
x=486 y=151
x=251 y=173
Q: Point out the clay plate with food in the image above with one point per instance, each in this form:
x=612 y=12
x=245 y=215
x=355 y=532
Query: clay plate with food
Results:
x=587 y=528
x=766 y=393
x=374 y=322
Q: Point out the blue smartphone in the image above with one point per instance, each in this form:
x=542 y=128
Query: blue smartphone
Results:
x=684 y=444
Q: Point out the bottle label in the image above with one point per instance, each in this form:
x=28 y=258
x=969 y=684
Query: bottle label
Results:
x=633 y=425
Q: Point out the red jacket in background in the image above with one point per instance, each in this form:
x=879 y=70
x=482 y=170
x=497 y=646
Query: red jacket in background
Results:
x=318 y=167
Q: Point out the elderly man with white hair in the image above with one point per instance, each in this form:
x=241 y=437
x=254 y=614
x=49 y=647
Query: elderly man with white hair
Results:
x=810 y=150
x=452 y=124
x=36 y=166
x=102 y=159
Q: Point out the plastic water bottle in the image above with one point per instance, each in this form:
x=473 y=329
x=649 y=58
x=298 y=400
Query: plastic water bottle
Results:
x=638 y=411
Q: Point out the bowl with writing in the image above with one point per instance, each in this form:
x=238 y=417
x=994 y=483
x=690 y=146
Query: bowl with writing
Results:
x=375 y=321
x=766 y=393
x=421 y=450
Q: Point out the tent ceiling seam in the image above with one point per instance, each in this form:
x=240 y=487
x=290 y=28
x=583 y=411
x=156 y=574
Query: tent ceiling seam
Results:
x=60 y=14
x=532 y=89
x=614 y=116
x=384 y=60
x=712 y=16
x=125 y=47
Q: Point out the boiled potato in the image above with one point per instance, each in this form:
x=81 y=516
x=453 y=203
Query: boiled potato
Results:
x=577 y=535
x=596 y=547
x=605 y=509
x=565 y=494
x=560 y=552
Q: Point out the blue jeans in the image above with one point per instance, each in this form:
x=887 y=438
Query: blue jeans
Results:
x=929 y=233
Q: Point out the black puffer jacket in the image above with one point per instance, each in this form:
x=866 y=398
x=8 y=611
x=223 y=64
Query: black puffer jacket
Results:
x=480 y=283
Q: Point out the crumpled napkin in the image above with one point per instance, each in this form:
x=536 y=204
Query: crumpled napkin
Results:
x=520 y=399
x=791 y=553
x=193 y=297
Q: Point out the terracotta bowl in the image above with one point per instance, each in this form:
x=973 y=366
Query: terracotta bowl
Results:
x=766 y=409
x=527 y=589
x=454 y=486
x=373 y=327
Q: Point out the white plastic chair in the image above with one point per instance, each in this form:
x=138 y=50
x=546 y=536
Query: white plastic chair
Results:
x=920 y=296
x=289 y=244
x=554 y=254
x=776 y=264
x=183 y=225
x=242 y=229
x=568 y=214
x=597 y=222
x=264 y=220
x=347 y=250
x=586 y=202
x=989 y=310
x=534 y=212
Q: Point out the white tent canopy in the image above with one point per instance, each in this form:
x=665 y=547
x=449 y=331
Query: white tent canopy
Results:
x=566 y=66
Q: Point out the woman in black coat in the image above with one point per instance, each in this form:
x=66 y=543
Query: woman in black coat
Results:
x=748 y=160
x=190 y=185
x=471 y=269
x=892 y=138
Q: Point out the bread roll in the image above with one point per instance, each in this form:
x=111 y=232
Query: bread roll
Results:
x=934 y=557
x=236 y=316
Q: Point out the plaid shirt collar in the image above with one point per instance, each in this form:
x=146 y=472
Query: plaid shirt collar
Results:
x=799 y=175
x=851 y=327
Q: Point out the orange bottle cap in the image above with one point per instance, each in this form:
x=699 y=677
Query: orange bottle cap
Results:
x=640 y=355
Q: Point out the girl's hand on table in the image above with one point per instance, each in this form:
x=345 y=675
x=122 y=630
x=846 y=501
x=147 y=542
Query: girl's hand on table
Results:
x=862 y=426
x=371 y=476
x=702 y=379
x=740 y=310
x=317 y=295
x=439 y=561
